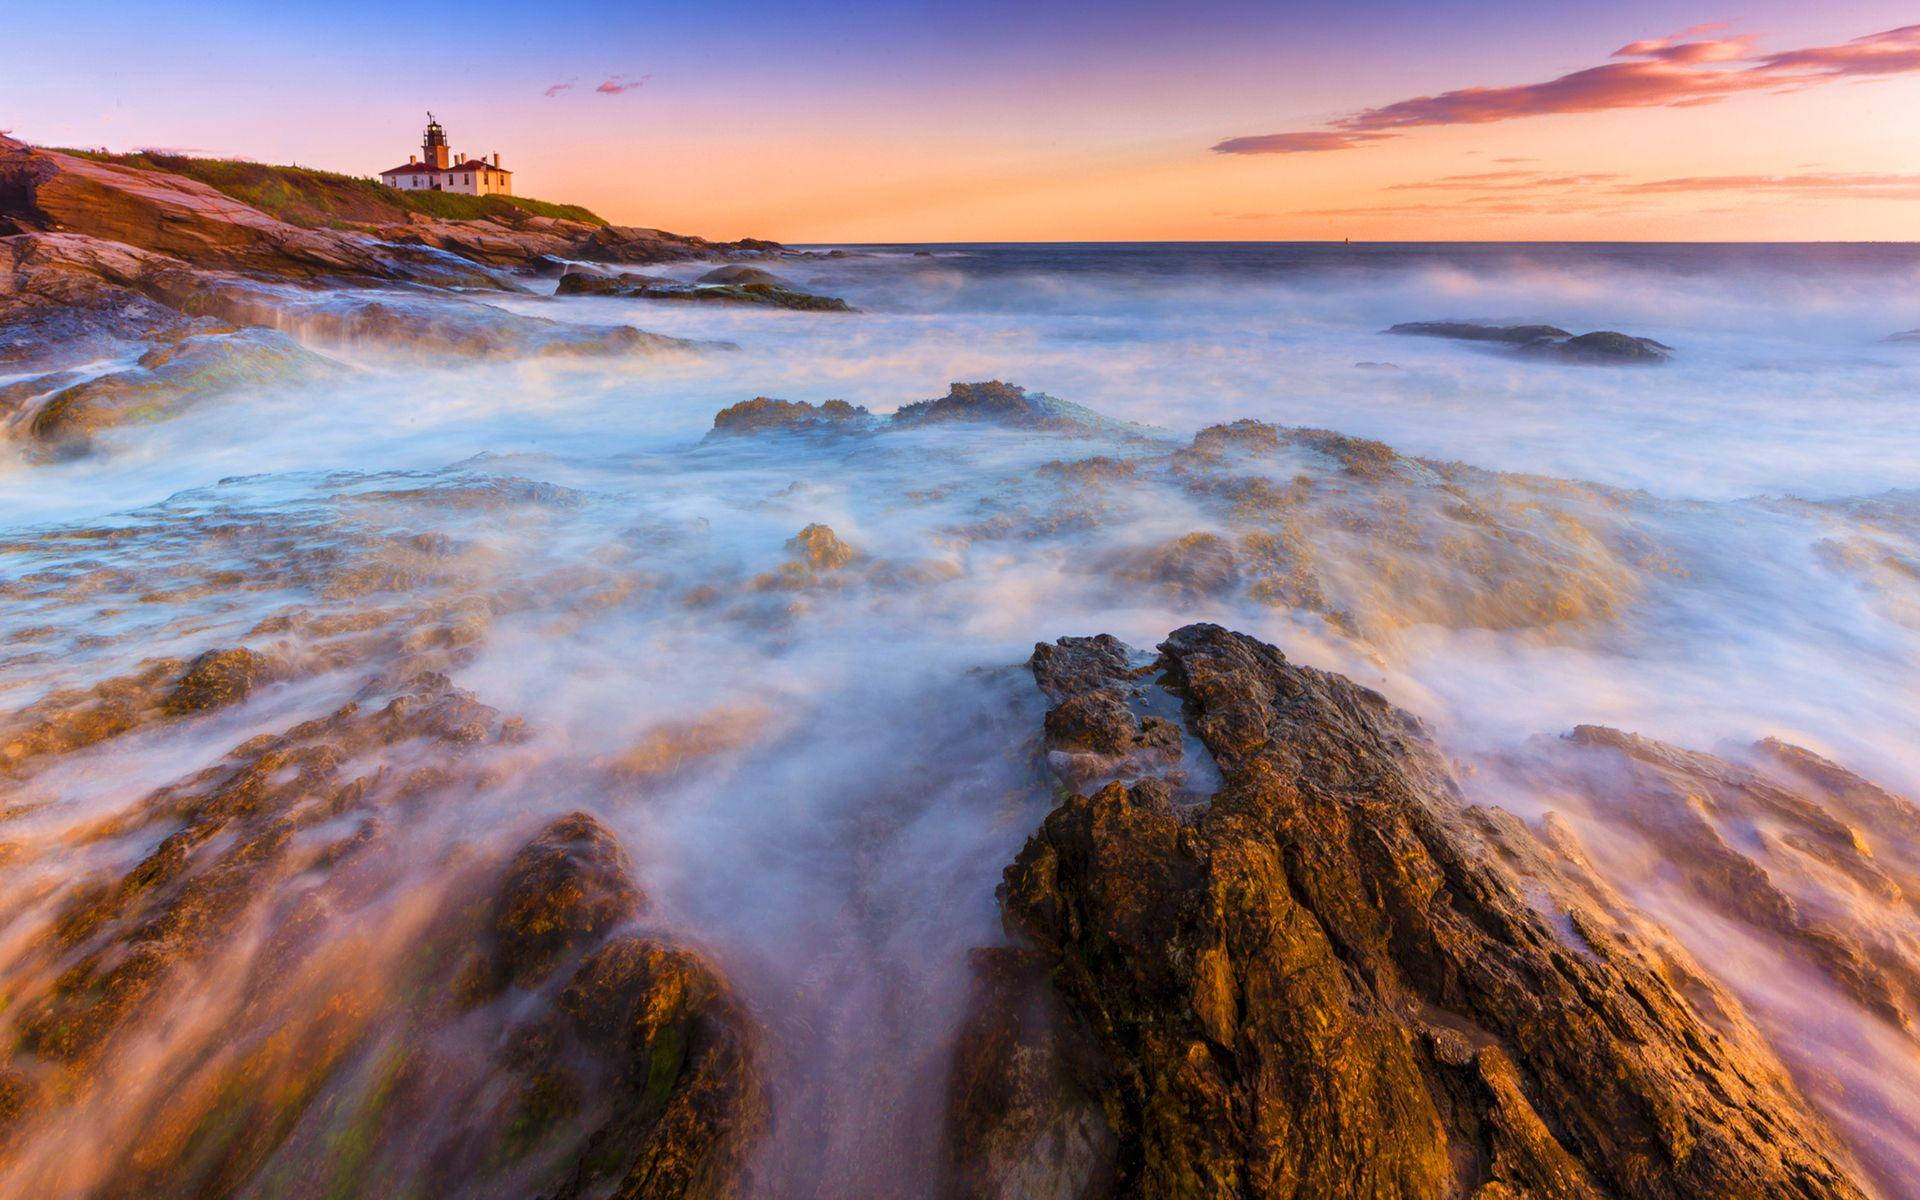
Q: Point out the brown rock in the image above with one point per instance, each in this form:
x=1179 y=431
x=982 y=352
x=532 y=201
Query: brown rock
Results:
x=763 y=414
x=1323 y=984
x=564 y=890
x=217 y=679
x=820 y=548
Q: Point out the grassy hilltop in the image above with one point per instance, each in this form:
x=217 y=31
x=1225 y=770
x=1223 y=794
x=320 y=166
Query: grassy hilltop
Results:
x=303 y=196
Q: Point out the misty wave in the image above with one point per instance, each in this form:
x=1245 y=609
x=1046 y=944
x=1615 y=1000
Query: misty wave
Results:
x=819 y=749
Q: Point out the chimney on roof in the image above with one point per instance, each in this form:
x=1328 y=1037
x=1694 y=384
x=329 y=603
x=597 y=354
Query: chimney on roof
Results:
x=496 y=158
x=413 y=158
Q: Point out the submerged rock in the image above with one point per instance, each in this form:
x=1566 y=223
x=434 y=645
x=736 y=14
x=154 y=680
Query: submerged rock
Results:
x=741 y=274
x=1324 y=983
x=1547 y=341
x=820 y=548
x=563 y=890
x=1474 y=331
x=217 y=679
x=434 y=328
x=1197 y=565
x=740 y=285
x=580 y=281
x=1604 y=346
x=763 y=414
x=993 y=402
x=1827 y=883
x=170 y=377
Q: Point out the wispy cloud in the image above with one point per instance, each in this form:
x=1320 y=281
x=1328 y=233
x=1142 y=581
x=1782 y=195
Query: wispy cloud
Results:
x=1505 y=181
x=612 y=85
x=1814 y=184
x=1683 y=69
x=1590 y=194
x=1297 y=143
x=622 y=83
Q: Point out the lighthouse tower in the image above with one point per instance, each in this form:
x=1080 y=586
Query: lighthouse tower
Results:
x=433 y=147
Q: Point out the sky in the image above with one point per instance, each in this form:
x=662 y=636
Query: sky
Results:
x=991 y=121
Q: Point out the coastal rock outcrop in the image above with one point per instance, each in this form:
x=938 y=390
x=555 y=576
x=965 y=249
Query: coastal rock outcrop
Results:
x=186 y=219
x=1326 y=981
x=347 y=232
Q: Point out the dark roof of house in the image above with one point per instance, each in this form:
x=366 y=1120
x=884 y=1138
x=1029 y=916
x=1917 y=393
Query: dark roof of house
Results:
x=472 y=164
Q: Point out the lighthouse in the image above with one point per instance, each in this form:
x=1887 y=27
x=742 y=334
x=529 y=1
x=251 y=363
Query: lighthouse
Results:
x=438 y=169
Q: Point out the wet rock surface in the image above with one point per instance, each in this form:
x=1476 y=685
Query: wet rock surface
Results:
x=1327 y=981
x=592 y=1059
x=171 y=377
x=1827 y=880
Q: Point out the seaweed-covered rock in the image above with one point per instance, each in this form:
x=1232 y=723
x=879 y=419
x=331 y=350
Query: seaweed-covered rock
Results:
x=1325 y=983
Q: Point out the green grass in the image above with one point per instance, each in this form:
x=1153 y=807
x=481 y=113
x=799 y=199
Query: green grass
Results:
x=303 y=196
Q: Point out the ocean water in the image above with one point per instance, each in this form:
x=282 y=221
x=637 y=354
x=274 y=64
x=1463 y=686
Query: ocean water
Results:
x=1717 y=549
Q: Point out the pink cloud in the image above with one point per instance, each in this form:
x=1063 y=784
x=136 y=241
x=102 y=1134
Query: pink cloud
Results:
x=1682 y=70
x=1296 y=143
x=621 y=83
x=1891 y=52
x=557 y=89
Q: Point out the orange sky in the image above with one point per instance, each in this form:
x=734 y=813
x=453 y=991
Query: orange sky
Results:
x=1075 y=121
